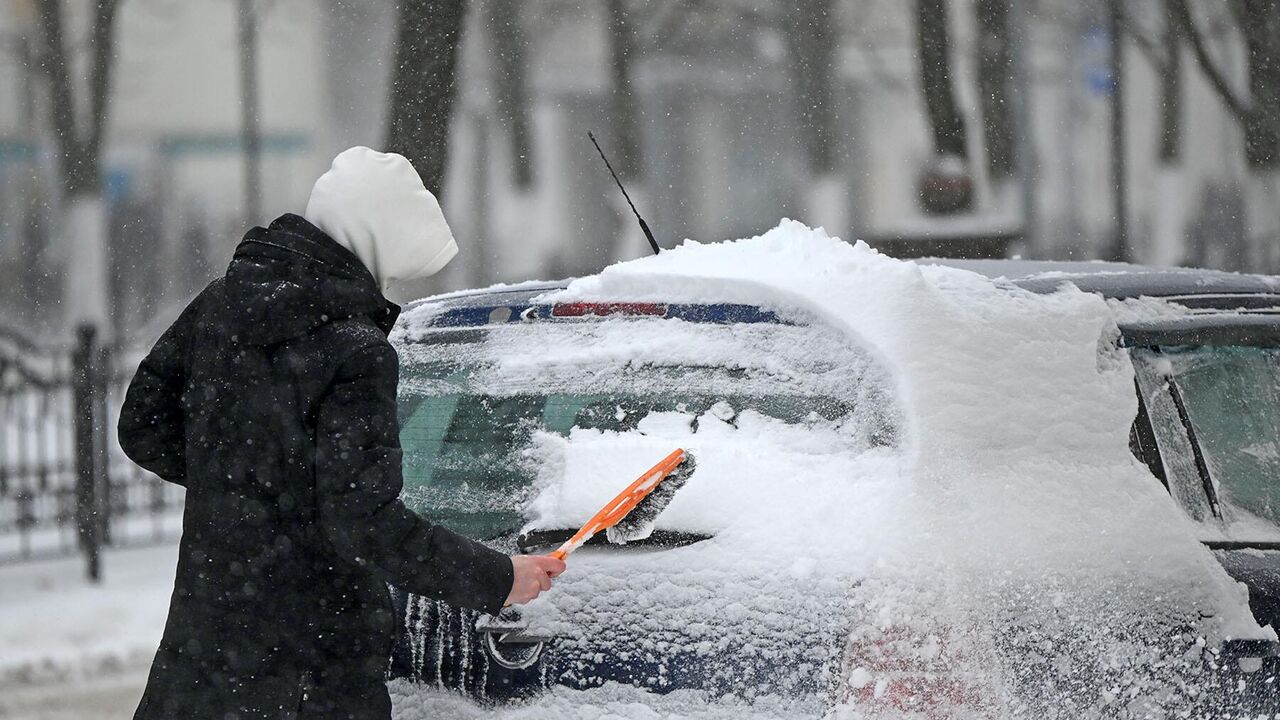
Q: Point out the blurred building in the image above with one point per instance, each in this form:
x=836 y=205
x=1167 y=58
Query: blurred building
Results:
x=715 y=122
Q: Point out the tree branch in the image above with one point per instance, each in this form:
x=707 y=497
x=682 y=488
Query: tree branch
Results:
x=1181 y=14
x=1155 y=55
x=1239 y=12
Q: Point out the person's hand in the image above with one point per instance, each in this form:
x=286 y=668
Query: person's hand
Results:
x=532 y=575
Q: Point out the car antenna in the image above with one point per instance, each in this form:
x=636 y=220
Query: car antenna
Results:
x=643 y=225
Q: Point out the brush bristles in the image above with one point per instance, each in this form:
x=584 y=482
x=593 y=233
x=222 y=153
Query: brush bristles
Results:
x=638 y=524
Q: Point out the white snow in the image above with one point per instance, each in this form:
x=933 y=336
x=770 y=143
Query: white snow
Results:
x=1014 y=495
x=1017 y=405
x=610 y=702
x=1010 y=504
x=1133 y=311
x=56 y=624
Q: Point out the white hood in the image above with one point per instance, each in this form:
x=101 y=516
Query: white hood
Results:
x=375 y=205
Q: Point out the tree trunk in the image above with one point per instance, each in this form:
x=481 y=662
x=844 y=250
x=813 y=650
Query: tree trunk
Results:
x=423 y=85
x=813 y=59
x=1170 y=70
x=78 y=156
x=511 y=86
x=1261 y=29
x=83 y=227
x=1261 y=26
x=995 y=69
x=811 y=30
x=1168 y=202
x=625 y=148
x=934 y=44
x=250 y=123
x=1119 y=250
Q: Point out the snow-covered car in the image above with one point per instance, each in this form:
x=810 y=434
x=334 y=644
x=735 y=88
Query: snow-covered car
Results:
x=922 y=487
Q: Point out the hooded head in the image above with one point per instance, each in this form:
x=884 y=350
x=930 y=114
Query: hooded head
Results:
x=375 y=205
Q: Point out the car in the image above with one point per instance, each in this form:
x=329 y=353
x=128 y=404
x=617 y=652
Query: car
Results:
x=506 y=392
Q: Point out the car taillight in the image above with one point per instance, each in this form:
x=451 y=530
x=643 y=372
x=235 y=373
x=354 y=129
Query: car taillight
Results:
x=582 y=309
x=894 y=672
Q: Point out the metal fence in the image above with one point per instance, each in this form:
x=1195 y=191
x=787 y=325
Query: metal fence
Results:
x=65 y=485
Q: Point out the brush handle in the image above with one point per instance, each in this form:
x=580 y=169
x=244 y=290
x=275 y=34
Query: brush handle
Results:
x=617 y=508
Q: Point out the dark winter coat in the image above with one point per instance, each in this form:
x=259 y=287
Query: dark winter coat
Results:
x=273 y=400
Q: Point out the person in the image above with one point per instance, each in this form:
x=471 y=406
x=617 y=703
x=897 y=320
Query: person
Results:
x=272 y=399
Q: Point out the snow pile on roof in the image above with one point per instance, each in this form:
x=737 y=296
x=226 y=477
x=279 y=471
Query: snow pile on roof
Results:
x=1013 y=494
x=973 y=357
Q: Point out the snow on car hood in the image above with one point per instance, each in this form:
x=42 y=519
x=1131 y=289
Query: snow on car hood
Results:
x=1013 y=493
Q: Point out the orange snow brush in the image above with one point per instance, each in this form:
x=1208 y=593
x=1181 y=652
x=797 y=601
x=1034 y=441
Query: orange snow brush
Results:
x=638 y=504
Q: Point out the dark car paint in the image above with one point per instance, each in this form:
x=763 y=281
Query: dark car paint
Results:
x=467 y=667
x=1260 y=571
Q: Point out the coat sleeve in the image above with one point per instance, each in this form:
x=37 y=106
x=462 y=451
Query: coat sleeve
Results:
x=358 y=482
x=152 y=428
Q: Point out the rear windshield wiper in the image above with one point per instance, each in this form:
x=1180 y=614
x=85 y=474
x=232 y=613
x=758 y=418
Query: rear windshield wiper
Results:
x=536 y=539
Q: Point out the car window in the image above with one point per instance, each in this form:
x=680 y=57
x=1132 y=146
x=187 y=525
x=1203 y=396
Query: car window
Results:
x=1230 y=399
x=467 y=416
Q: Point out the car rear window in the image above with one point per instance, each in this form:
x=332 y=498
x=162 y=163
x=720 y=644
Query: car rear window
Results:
x=471 y=400
x=1231 y=398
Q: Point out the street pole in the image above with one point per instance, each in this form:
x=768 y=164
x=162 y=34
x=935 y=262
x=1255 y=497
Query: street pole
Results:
x=251 y=130
x=1119 y=251
x=1024 y=134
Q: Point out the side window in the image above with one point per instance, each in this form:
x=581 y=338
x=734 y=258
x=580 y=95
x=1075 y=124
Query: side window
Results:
x=1233 y=399
x=1226 y=401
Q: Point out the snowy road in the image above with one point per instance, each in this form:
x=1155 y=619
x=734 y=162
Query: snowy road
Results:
x=109 y=697
x=69 y=649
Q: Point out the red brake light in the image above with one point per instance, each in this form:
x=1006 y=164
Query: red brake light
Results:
x=602 y=309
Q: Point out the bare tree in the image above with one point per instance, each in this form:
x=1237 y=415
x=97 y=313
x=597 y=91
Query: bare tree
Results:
x=934 y=46
x=1258 y=23
x=77 y=135
x=250 y=120
x=1162 y=49
x=1257 y=108
x=423 y=85
x=945 y=184
x=1168 y=203
x=511 y=84
x=995 y=68
x=810 y=26
x=78 y=148
x=623 y=110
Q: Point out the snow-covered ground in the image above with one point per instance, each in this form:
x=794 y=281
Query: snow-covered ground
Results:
x=55 y=624
x=71 y=649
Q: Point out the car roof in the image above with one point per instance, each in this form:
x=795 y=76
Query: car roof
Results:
x=1109 y=279
x=1121 y=280
x=1228 y=307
